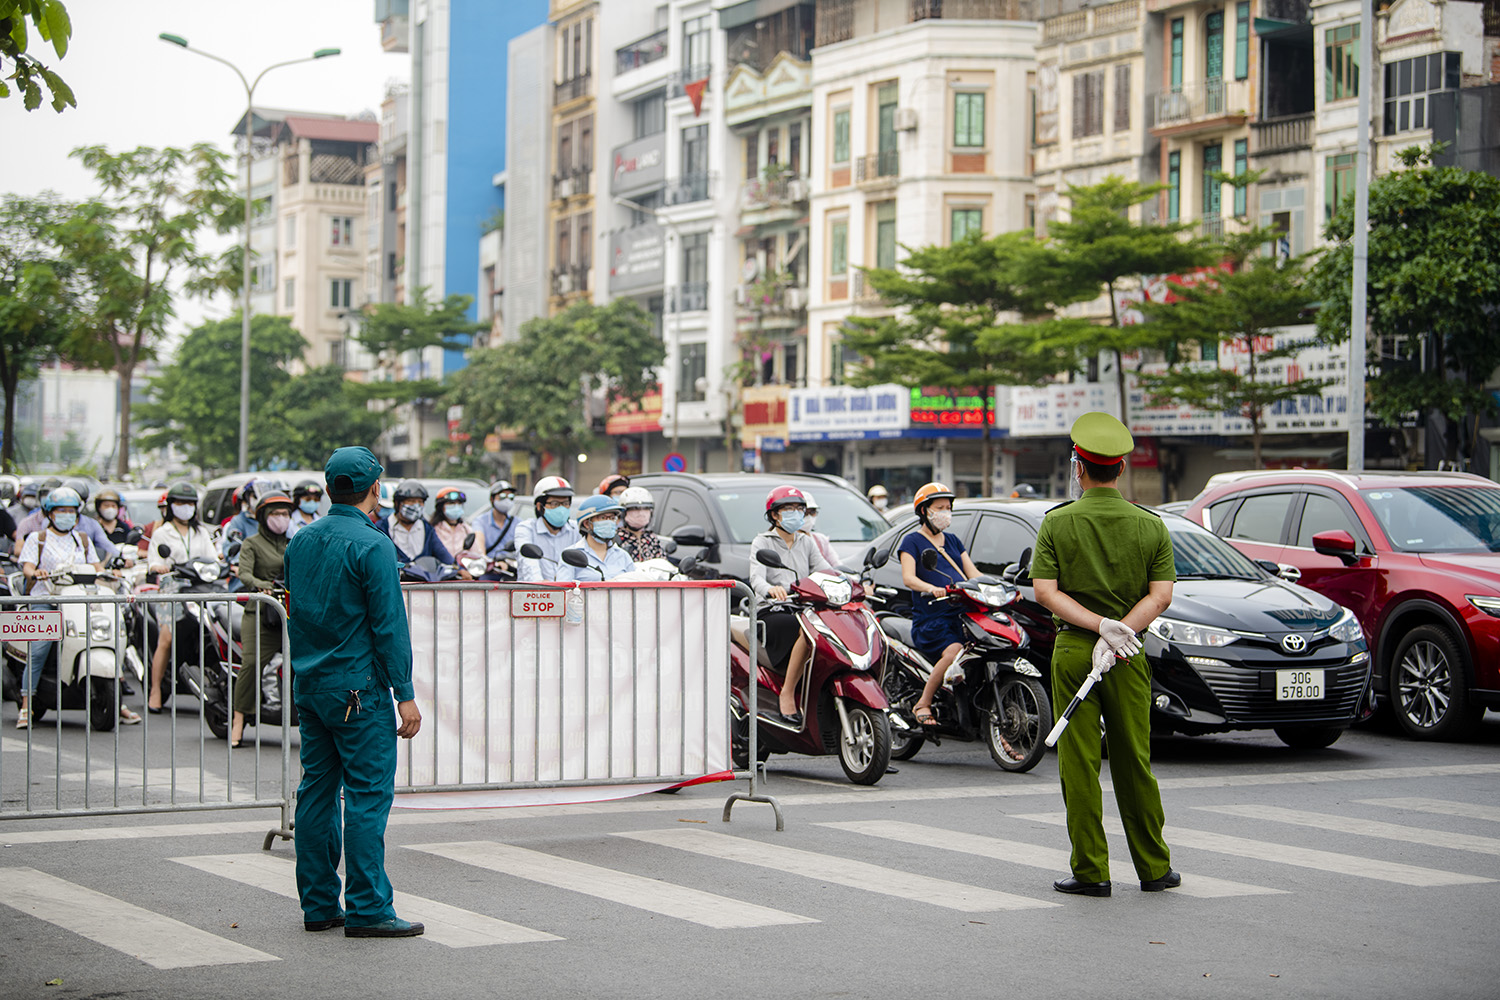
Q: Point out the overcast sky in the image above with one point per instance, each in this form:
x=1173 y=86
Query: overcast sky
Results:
x=135 y=90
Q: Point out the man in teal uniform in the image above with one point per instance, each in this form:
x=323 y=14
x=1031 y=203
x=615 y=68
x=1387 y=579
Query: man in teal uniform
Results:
x=1104 y=568
x=350 y=650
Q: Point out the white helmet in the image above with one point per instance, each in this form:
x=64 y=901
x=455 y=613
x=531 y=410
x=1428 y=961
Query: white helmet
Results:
x=636 y=498
x=812 y=502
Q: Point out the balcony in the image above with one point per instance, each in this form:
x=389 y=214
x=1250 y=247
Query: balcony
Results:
x=1281 y=135
x=641 y=52
x=678 y=81
x=877 y=168
x=1059 y=29
x=780 y=191
x=1212 y=227
x=775 y=295
x=571 y=279
x=571 y=184
x=974 y=10
x=1117 y=16
x=861 y=291
x=690 y=296
x=1201 y=107
x=834 y=22
x=687 y=189
x=572 y=90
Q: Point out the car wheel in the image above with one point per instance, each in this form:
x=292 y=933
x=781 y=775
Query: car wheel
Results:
x=1309 y=737
x=1428 y=689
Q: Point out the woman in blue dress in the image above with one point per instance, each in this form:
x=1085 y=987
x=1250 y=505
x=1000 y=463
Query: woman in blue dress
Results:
x=936 y=626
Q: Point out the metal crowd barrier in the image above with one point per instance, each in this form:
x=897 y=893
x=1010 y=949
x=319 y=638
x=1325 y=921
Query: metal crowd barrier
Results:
x=169 y=763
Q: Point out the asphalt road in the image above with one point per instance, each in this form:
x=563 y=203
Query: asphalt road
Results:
x=1371 y=869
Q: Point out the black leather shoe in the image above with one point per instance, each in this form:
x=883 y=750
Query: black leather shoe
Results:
x=1170 y=880
x=792 y=721
x=392 y=928
x=322 y=925
x=1073 y=887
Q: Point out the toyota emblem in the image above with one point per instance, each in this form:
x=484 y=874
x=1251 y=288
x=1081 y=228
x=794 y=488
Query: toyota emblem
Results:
x=1294 y=643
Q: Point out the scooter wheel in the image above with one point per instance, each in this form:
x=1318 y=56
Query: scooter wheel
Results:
x=1022 y=718
x=865 y=752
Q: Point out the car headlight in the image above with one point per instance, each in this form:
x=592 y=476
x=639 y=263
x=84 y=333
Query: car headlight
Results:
x=1489 y=605
x=1347 y=628
x=996 y=597
x=1189 y=634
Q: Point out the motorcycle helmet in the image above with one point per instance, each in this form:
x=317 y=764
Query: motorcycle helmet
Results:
x=783 y=496
x=876 y=491
x=1023 y=491
x=926 y=495
x=245 y=494
x=612 y=481
x=812 y=501
x=79 y=486
x=182 y=491
x=48 y=485
x=61 y=496
x=636 y=498
x=447 y=495
x=599 y=503
x=552 y=486
x=409 y=489
x=501 y=486
x=306 y=487
x=272 y=499
x=111 y=495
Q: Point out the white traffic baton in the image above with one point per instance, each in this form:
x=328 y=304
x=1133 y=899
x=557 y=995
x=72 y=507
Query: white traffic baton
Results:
x=1093 y=678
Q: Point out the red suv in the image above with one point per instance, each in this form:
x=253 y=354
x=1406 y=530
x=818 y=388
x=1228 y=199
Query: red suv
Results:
x=1416 y=557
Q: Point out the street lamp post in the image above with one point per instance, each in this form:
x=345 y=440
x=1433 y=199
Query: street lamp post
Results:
x=250 y=85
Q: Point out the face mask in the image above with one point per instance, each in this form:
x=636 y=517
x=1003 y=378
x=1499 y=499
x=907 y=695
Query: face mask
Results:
x=810 y=522
x=791 y=522
x=940 y=519
x=29 y=503
x=635 y=520
x=308 y=506
x=64 y=521
x=277 y=524
x=556 y=516
x=183 y=511
x=502 y=507
x=108 y=513
x=1075 y=483
x=880 y=503
x=411 y=511
x=453 y=511
x=605 y=530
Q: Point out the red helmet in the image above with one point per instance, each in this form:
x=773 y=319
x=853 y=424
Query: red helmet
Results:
x=784 y=496
x=610 y=481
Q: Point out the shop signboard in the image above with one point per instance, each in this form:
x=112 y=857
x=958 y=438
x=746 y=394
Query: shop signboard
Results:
x=763 y=409
x=627 y=418
x=844 y=413
x=940 y=412
x=639 y=165
x=637 y=258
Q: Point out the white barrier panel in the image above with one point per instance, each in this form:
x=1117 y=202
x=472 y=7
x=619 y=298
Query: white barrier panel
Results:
x=514 y=695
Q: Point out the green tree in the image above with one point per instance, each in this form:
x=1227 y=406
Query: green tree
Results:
x=311 y=414
x=50 y=20
x=1098 y=250
x=192 y=399
x=35 y=298
x=132 y=252
x=1434 y=289
x=952 y=328
x=390 y=329
x=536 y=385
x=1241 y=307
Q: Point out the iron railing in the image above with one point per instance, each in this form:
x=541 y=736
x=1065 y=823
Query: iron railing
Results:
x=642 y=52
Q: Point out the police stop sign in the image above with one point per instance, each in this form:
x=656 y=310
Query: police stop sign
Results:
x=23 y=626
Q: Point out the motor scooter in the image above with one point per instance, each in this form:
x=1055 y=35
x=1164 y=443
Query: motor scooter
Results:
x=843 y=707
x=201 y=637
x=991 y=692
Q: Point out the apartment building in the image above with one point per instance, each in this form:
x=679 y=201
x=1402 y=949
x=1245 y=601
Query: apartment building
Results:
x=571 y=216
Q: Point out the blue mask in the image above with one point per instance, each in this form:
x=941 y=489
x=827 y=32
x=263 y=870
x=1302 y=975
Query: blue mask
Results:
x=556 y=516
x=791 y=522
x=308 y=506
x=65 y=521
x=453 y=511
x=605 y=530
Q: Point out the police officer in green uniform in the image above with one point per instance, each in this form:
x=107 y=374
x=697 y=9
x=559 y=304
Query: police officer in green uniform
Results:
x=350 y=650
x=1103 y=567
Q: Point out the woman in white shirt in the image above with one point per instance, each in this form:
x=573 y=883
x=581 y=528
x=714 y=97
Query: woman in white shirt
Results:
x=57 y=546
x=186 y=539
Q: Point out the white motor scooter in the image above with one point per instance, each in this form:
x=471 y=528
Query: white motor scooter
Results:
x=81 y=673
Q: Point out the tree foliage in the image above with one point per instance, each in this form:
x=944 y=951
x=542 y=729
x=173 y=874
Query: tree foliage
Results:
x=536 y=385
x=1433 y=290
x=49 y=19
x=312 y=414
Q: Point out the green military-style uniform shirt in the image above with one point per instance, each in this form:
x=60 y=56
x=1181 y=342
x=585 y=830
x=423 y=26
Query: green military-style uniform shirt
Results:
x=1103 y=552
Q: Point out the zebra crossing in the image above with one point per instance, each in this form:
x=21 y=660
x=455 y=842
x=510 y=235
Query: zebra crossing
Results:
x=650 y=882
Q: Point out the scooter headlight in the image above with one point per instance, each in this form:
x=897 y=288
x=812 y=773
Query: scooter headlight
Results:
x=838 y=591
x=996 y=597
x=101 y=628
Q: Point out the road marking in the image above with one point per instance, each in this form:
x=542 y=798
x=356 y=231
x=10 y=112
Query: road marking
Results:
x=1030 y=855
x=1320 y=777
x=1284 y=854
x=840 y=871
x=1362 y=827
x=158 y=941
x=648 y=894
x=1442 y=807
x=446 y=925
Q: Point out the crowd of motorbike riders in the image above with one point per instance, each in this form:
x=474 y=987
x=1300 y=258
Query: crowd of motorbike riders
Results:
x=605 y=537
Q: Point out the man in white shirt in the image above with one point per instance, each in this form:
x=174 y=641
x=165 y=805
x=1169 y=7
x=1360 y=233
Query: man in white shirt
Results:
x=551 y=531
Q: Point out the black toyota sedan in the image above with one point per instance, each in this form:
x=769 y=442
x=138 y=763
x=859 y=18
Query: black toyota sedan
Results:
x=1239 y=647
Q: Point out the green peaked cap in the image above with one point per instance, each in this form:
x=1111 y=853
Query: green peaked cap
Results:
x=1100 y=437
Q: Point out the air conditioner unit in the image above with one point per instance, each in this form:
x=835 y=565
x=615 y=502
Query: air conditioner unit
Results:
x=906 y=119
x=797 y=189
x=562 y=188
x=794 y=298
x=563 y=283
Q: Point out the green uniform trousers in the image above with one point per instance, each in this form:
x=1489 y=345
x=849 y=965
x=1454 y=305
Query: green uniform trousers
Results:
x=357 y=756
x=1124 y=699
x=262 y=640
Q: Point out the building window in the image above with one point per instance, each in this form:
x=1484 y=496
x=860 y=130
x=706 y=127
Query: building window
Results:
x=1122 y=98
x=963 y=221
x=291 y=232
x=564 y=243
x=697 y=33
x=1241 y=166
x=752 y=156
x=695 y=258
x=263 y=276
x=1088 y=104
x=838 y=248
x=1242 y=39
x=841 y=358
x=885 y=235
x=794 y=147
x=338 y=293
x=1213 y=46
x=968 y=119
x=1174 y=186
x=1338 y=181
x=1213 y=163
x=289 y=293
x=1341 y=62
x=1177 y=53
x=341 y=233
x=650 y=114
x=885 y=134
x=695 y=153
x=692 y=373
x=1411 y=86
x=841 y=136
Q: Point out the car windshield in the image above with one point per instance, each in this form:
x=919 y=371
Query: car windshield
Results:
x=842 y=515
x=1199 y=553
x=1438 y=518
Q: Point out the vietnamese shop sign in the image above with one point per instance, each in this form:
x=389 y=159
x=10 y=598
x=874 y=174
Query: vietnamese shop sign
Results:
x=844 y=413
x=939 y=412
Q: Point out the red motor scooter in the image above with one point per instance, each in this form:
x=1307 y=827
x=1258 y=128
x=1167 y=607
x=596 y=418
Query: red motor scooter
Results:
x=843 y=706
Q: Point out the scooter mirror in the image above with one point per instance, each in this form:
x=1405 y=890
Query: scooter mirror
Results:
x=133 y=536
x=929 y=559
x=469 y=540
x=163 y=551
x=575 y=558
x=531 y=550
x=668 y=545
x=870 y=556
x=768 y=558
x=688 y=566
x=233 y=550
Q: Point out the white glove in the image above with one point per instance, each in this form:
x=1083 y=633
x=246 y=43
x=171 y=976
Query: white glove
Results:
x=1119 y=636
x=1104 y=656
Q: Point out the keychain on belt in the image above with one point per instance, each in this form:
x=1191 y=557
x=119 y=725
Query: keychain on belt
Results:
x=353 y=705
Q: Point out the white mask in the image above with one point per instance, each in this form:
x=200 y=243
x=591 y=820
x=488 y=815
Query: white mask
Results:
x=183 y=511
x=810 y=522
x=635 y=520
x=108 y=512
x=940 y=519
x=277 y=524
